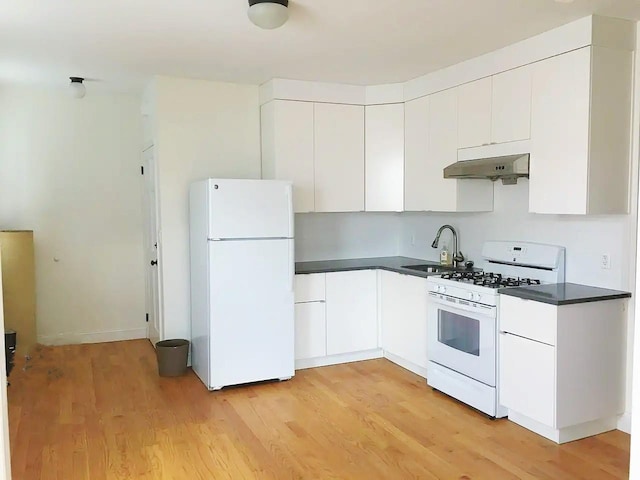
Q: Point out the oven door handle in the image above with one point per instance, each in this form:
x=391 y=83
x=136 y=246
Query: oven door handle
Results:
x=438 y=300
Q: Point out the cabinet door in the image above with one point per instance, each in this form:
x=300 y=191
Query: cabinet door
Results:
x=527 y=378
x=417 y=171
x=287 y=148
x=352 y=323
x=560 y=134
x=403 y=311
x=339 y=157
x=474 y=113
x=384 y=158
x=511 y=105
x=443 y=151
x=311 y=330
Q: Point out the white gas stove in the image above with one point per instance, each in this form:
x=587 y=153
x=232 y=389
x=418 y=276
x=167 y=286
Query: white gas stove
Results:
x=462 y=321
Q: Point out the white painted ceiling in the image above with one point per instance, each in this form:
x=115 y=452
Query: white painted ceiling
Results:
x=123 y=43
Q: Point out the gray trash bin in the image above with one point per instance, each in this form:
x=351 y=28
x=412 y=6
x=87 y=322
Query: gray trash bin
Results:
x=172 y=357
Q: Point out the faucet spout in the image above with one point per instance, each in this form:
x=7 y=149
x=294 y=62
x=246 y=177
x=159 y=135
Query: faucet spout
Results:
x=457 y=255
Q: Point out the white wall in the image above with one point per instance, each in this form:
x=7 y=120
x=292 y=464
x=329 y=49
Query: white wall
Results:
x=321 y=236
x=202 y=129
x=69 y=170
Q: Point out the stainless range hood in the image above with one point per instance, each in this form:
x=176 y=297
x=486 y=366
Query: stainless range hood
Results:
x=508 y=168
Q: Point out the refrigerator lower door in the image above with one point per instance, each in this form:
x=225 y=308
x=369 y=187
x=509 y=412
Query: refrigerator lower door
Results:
x=251 y=309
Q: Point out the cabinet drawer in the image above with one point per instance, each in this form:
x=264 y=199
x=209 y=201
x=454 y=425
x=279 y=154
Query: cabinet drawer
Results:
x=529 y=319
x=310 y=287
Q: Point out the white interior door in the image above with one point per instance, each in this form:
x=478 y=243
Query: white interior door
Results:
x=151 y=248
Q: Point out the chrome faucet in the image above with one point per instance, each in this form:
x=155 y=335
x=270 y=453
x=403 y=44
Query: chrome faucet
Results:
x=457 y=256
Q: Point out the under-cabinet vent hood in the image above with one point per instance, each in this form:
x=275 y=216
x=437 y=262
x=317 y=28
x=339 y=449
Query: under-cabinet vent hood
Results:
x=508 y=168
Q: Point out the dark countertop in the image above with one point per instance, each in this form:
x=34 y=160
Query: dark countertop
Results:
x=563 y=293
x=393 y=264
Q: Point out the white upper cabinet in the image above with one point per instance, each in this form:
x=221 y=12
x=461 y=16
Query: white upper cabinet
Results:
x=339 y=157
x=474 y=113
x=495 y=109
x=417 y=171
x=446 y=194
x=511 y=105
x=287 y=148
x=431 y=144
x=443 y=150
x=384 y=158
x=580 y=123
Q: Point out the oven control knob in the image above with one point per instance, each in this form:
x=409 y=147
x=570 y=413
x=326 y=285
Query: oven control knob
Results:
x=478 y=297
x=471 y=296
x=444 y=289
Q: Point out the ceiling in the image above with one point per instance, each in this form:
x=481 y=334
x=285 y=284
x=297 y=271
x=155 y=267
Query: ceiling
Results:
x=123 y=43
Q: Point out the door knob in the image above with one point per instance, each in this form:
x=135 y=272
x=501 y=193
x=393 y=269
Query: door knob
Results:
x=154 y=262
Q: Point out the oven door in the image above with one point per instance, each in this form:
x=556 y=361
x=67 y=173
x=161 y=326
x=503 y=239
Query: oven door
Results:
x=462 y=337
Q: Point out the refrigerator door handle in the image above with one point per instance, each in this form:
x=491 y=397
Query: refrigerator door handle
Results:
x=292 y=265
x=245 y=239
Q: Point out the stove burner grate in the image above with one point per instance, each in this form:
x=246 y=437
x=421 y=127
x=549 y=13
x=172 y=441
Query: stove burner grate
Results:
x=489 y=279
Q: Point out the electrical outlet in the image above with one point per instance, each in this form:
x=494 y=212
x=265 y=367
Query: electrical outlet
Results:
x=413 y=239
x=605 y=261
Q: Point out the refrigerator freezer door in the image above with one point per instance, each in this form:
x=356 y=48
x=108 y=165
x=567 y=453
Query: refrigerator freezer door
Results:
x=252 y=323
x=250 y=209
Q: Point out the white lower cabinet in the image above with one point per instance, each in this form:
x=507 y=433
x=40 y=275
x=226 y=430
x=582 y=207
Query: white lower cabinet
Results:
x=310 y=316
x=403 y=313
x=336 y=318
x=561 y=368
x=527 y=377
x=352 y=317
x=311 y=330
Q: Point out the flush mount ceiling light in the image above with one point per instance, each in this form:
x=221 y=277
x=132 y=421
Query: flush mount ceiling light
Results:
x=268 y=14
x=76 y=87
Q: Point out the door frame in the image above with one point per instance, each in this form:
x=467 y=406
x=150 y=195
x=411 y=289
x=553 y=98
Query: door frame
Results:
x=5 y=455
x=150 y=166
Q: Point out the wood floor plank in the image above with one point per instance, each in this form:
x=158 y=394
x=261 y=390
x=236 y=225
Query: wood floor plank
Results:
x=100 y=412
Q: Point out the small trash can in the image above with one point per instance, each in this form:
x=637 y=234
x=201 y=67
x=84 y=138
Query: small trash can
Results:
x=172 y=357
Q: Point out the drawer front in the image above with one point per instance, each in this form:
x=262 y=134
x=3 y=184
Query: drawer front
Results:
x=310 y=287
x=528 y=319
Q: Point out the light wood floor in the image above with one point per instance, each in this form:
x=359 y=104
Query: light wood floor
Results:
x=101 y=412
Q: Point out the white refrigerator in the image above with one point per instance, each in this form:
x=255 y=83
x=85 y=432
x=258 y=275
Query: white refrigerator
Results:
x=242 y=267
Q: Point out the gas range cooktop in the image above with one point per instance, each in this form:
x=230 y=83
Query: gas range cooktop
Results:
x=488 y=279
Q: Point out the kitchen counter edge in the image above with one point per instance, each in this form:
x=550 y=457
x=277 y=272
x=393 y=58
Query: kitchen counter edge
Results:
x=563 y=293
x=392 y=264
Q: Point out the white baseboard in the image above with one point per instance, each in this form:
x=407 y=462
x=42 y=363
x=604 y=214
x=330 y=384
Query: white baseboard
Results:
x=336 y=359
x=567 y=434
x=407 y=365
x=624 y=423
x=92 y=337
